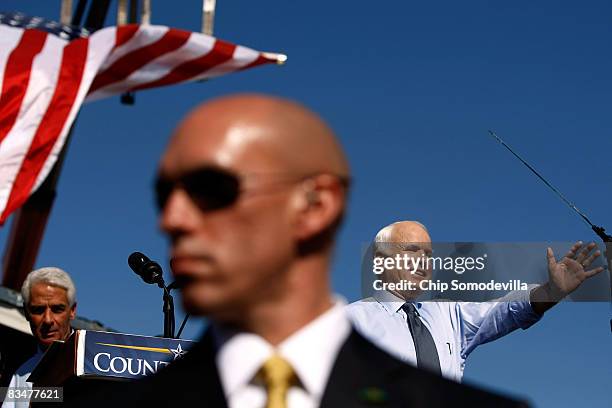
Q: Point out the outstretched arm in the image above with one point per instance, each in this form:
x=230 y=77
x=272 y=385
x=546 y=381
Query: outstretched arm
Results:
x=564 y=276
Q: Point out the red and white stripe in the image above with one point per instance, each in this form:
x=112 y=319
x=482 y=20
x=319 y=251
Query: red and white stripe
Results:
x=45 y=79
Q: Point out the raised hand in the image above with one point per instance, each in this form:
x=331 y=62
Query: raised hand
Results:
x=567 y=275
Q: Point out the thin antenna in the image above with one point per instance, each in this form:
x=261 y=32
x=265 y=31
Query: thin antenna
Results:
x=600 y=231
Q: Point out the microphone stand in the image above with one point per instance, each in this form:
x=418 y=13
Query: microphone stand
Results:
x=151 y=272
x=168 y=310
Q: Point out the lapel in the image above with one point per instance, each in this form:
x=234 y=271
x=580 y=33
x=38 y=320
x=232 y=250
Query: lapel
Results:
x=360 y=376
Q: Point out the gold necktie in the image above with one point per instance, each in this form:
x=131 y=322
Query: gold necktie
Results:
x=278 y=375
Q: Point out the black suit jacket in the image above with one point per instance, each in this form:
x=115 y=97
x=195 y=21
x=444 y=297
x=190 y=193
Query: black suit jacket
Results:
x=363 y=376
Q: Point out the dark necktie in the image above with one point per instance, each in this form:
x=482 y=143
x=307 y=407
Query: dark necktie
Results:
x=426 y=353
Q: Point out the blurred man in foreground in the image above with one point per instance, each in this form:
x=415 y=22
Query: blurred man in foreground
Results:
x=439 y=335
x=49 y=299
x=252 y=190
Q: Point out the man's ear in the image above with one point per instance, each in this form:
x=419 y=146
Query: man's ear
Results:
x=73 y=311
x=320 y=203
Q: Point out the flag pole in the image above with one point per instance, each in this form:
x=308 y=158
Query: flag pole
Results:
x=66 y=11
x=131 y=17
x=29 y=222
x=122 y=13
x=145 y=14
x=208 y=16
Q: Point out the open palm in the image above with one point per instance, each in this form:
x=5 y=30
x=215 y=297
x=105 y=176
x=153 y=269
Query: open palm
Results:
x=568 y=274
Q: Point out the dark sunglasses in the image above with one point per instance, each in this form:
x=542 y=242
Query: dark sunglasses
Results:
x=213 y=188
x=210 y=188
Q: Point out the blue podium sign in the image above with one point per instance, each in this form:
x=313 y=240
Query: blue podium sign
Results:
x=104 y=354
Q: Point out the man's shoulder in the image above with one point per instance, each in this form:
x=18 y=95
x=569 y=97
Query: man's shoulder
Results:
x=358 y=351
x=361 y=301
x=363 y=373
x=26 y=368
x=370 y=304
x=362 y=306
x=360 y=313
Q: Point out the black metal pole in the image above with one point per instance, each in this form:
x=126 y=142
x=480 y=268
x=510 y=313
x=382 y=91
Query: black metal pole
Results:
x=168 y=314
x=178 y=335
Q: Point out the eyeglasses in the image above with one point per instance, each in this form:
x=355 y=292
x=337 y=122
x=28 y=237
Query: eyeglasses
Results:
x=212 y=188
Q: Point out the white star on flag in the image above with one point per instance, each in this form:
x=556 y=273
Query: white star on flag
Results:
x=178 y=352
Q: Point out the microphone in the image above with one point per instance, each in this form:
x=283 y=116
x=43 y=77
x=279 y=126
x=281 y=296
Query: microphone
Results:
x=148 y=270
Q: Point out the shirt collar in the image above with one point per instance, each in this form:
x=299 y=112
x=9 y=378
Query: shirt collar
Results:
x=239 y=357
x=390 y=302
x=311 y=351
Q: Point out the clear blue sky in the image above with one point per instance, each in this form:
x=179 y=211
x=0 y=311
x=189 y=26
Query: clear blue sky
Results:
x=411 y=89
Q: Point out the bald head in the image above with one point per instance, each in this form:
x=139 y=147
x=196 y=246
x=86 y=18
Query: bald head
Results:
x=271 y=241
x=283 y=135
x=403 y=231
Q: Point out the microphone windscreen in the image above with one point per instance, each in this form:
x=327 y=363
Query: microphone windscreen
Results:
x=136 y=261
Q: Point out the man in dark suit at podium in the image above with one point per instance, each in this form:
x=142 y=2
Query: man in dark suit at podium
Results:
x=49 y=298
x=252 y=190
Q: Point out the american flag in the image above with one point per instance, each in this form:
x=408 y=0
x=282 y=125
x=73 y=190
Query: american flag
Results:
x=47 y=70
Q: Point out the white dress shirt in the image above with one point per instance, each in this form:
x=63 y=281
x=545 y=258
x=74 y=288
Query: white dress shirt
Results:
x=18 y=380
x=456 y=327
x=311 y=351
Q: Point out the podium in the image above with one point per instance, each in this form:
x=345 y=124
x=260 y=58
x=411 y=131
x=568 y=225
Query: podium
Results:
x=98 y=361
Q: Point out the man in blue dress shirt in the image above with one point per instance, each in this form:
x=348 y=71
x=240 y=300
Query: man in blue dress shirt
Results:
x=439 y=335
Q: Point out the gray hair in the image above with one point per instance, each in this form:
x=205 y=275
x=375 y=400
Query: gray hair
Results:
x=384 y=236
x=52 y=276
